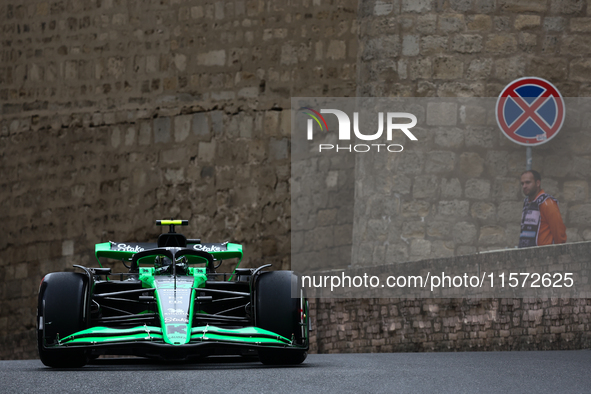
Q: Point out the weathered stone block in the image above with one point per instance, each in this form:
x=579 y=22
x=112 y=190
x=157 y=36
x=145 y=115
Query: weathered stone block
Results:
x=479 y=69
x=145 y=133
x=503 y=43
x=129 y=136
x=414 y=229
x=442 y=113
x=271 y=123
x=527 y=42
x=399 y=184
x=581 y=167
x=523 y=5
x=278 y=148
x=554 y=23
x=556 y=166
x=217 y=122
x=511 y=68
x=479 y=22
x=382 y=8
x=410 y=45
x=467 y=43
x=212 y=58
x=449 y=137
x=471 y=164
x=461 y=5
x=509 y=211
x=418 y=6
x=174 y=175
x=549 y=68
x=385 y=47
x=492 y=235
x=439 y=229
x=576 y=45
x=527 y=21
x=115 y=137
x=200 y=124
x=182 y=127
x=425 y=186
x=484 y=6
x=567 y=6
x=580 y=70
x=477 y=189
x=415 y=209
x=161 y=130
x=420 y=248
x=412 y=163
x=464 y=233
x=336 y=49
x=455 y=208
x=483 y=211
x=171 y=156
x=420 y=69
x=433 y=44
x=496 y=163
x=451 y=188
x=576 y=191
x=580 y=25
x=506 y=189
x=451 y=23
x=448 y=68
x=440 y=162
x=206 y=151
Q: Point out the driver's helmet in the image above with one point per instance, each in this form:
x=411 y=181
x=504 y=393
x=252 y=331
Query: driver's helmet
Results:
x=162 y=261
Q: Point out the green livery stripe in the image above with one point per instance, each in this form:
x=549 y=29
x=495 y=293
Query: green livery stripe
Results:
x=150 y=333
x=105 y=332
x=225 y=338
x=247 y=334
x=120 y=338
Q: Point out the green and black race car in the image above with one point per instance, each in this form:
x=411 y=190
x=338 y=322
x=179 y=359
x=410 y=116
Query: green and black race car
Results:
x=172 y=304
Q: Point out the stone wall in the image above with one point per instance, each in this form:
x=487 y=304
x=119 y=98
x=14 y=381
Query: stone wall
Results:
x=114 y=113
x=373 y=325
x=460 y=324
x=472 y=48
x=456 y=190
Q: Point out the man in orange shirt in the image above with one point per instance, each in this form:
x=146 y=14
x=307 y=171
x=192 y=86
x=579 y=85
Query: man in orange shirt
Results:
x=541 y=223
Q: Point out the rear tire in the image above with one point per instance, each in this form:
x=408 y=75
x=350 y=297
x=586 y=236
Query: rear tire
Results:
x=276 y=311
x=61 y=311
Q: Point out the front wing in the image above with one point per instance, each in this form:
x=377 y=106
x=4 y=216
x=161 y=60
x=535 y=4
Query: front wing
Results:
x=148 y=341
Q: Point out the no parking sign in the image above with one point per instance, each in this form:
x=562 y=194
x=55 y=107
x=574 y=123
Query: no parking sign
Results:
x=530 y=111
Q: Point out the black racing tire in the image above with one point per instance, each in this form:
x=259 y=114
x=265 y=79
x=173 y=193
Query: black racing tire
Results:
x=276 y=311
x=62 y=310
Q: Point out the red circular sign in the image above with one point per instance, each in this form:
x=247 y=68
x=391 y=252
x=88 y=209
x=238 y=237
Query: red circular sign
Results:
x=530 y=111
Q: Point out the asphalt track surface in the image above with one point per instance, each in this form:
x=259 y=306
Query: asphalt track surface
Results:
x=482 y=372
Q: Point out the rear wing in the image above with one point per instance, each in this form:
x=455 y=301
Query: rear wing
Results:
x=126 y=250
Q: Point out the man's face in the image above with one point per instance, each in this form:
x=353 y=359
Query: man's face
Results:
x=529 y=187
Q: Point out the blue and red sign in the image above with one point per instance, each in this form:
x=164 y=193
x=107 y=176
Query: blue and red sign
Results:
x=530 y=111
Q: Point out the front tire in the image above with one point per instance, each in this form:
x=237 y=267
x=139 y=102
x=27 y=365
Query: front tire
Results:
x=277 y=312
x=62 y=311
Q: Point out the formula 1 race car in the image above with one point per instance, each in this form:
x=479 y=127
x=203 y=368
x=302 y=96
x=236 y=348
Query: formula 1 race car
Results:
x=172 y=305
